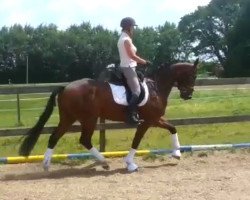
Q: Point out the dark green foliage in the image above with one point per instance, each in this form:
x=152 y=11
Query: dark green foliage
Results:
x=238 y=63
x=208 y=27
x=53 y=55
x=220 y=30
x=78 y=52
x=216 y=32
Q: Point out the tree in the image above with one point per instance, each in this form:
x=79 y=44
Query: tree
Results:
x=238 y=63
x=146 y=40
x=168 y=44
x=13 y=40
x=78 y=52
x=205 y=30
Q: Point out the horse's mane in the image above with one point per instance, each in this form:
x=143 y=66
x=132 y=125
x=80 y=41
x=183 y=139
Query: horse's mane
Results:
x=152 y=72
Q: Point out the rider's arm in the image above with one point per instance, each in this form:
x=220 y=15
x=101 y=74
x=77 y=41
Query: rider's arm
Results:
x=132 y=54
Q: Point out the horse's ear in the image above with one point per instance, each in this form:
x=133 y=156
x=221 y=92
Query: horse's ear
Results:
x=196 y=62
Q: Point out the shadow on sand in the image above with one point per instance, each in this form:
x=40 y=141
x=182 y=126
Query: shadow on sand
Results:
x=85 y=172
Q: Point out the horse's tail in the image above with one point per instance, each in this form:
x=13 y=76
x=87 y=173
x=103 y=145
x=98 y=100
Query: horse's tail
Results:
x=34 y=133
x=196 y=62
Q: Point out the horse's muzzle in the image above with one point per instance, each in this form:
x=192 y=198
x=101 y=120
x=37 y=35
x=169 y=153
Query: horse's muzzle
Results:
x=186 y=95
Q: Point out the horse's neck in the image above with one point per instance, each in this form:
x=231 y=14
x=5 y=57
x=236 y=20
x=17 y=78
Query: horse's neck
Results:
x=164 y=86
x=165 y=91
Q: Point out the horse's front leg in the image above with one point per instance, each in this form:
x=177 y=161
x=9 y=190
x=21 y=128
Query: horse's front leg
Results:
x=162 y=123
x=129 y=159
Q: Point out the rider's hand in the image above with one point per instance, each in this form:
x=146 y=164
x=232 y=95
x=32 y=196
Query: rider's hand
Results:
x=148 y=62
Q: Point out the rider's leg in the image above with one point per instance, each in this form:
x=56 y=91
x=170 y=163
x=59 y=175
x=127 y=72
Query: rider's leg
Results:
x=133 y=83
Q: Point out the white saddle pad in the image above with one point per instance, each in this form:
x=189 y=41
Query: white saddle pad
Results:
x=119 y=94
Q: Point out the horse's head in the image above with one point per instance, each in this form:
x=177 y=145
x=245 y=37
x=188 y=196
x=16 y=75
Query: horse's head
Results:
x=184 y=77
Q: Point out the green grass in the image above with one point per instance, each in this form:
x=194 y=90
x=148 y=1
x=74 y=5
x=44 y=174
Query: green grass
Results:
x=31 y=106
x=155 y=138
x=204 y=104
x=210 y=103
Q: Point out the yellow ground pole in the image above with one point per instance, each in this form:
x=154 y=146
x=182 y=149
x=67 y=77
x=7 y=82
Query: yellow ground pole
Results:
x=38 y=158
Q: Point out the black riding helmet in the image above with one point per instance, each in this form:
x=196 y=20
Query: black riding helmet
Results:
x=127 y=22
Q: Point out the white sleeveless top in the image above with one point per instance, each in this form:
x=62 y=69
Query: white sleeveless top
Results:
x=126 y=61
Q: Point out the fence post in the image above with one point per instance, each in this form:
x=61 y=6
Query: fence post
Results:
x=18 y=110
x=102 y=140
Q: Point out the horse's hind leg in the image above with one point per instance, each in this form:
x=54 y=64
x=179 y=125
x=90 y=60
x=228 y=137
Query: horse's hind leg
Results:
x=58 y=132
x=88 y=127
x=162 y=123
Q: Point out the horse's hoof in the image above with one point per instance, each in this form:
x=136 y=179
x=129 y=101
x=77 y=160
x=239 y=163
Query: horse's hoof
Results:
x=106 y=166
x=46 y=165
x=176 y=154
x=132 y=167
x=45 y=168
x=176 y=157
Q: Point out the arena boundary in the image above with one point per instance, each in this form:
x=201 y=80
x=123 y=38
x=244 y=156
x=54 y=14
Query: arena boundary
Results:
x=84 y=156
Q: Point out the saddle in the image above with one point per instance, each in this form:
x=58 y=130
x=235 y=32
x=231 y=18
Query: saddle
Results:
x=114 y=75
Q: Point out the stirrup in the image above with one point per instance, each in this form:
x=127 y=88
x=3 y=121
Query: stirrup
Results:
x=132 y=120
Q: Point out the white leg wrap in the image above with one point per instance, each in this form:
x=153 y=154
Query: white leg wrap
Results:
x=97 y=154
x=176 y=146
x=129 y=160
x=176 y=153
x=175 y=141
x=130 y=157
x=47 y=158
x=131 y=167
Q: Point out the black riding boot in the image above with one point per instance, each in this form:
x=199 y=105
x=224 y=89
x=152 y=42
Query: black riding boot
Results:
x=132 y=117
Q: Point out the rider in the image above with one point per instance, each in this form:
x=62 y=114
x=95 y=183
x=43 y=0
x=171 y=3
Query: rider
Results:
x=128 y=63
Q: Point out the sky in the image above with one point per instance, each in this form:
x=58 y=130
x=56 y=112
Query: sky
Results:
x=107 y=13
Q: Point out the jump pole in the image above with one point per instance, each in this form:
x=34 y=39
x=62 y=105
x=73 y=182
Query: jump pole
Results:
x=84 y=156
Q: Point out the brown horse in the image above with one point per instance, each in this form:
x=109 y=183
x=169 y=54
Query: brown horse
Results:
x=85 y=100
